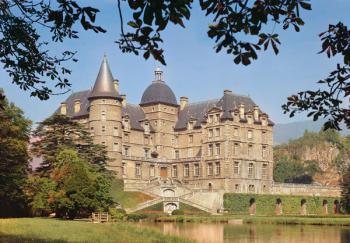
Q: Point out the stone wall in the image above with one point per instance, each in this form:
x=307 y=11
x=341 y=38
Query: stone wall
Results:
x=305 y=190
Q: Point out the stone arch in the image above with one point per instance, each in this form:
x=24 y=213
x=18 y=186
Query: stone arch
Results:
x=170 y=207
x=278 y=207
x=168 y=192
x=303 y=210
x=336 y=207
x=252 y=206
x=325 y=206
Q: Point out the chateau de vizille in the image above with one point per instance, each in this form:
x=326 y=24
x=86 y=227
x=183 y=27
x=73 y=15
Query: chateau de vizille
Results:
x=178 y=149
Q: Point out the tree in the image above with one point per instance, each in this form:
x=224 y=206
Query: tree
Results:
x=14 y=159
x=328 y=102
x=26 y=55
x=59 y=132
x=290 y=171
x=80 y=188
x=346 y=191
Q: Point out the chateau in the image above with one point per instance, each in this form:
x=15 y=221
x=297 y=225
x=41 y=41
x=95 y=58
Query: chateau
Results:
x=181 y=151
x=223 y=143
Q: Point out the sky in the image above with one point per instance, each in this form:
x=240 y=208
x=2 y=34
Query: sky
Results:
x=193 y=68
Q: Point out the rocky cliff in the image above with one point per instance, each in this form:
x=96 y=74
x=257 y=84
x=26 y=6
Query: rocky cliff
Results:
x=329 y=149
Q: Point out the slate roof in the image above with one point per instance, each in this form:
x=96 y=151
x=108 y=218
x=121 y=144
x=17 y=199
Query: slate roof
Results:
x=135 y=114
x=104 y=87
x=84 y=104
x=158 y=92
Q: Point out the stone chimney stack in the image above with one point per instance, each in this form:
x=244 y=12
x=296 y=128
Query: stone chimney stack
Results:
x=256 y=113
x=116 y=84
x=123 y=96
x=63 y=108
x=77 y=106
x=241 y=112
x=183 y=102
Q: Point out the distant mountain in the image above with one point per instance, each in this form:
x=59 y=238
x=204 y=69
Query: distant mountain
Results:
x=284 y=132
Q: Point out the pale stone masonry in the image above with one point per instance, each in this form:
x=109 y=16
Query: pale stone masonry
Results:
x=220 y=144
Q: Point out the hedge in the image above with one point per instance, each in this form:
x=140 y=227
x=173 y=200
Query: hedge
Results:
x=265 y=204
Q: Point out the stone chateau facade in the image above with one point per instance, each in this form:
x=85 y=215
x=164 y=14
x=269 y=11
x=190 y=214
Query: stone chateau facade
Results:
x=219 y=144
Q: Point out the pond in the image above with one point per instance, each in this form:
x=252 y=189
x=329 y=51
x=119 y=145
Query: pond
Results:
x=248 y=233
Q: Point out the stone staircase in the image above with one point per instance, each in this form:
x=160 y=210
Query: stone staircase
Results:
x=207 y=201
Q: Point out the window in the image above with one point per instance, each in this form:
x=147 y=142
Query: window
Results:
x=103 y=116
x=103 y=129
x=264 y=137
x=250 y=134
x=250 y=150
x=126 y=151
x=236 y=168
x=210 y=133
x=236 y=149
x=217 y=168
x=190 y=152
x=138 y=170
x=92 y=132
x=217 y=132
x=217 y=117
x=115 y=131
x=190 y=139
x=152 y=171
x=210 y=169
x=174 y=171
x=264 y=171
x=196 y=169
x=217 y=150
x=210 y=150
x=190 y=125
x=124 y=168
x=126 y=137
x=236 y=132
x=237 y=188
x=146 y=127
x=115 y=146
x=264 y=151
x=146 y=140
x=251 y=170
x=176 y=139
x=186 y=170
x=146 y=152
x=251 y=188
x=177 y=154
x=126 y=124
x=210 y=119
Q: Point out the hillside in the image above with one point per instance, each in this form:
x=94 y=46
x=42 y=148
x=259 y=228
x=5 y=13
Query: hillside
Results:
x=328 y=150
x=288 y=131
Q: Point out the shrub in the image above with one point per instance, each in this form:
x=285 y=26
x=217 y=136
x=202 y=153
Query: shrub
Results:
x=178 y=212
x=136 y=217
x=116 y=214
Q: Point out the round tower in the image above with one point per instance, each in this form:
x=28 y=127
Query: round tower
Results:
x=105 y=117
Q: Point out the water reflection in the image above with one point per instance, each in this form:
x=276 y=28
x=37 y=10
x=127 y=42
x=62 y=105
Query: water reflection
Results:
x=224 y=233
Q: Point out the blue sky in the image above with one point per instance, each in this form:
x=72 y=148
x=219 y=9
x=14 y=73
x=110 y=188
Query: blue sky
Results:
x=194 y=69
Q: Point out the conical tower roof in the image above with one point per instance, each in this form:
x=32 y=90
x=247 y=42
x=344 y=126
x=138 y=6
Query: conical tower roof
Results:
x=104 y=87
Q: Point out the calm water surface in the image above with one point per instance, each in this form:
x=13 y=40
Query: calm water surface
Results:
x=224 y=233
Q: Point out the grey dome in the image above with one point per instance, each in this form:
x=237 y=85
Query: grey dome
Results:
x=158 y=92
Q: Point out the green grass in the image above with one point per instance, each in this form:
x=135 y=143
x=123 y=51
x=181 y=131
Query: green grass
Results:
x=126 y=199
x=304 y=220
x=54 y=230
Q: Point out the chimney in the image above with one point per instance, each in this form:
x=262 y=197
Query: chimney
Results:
x=116 y=85
x=63 y=108
x=183 y=102
x=76 y=106
x=256 y=113
x=241 y=111
x=227 y=91
x=123 y=96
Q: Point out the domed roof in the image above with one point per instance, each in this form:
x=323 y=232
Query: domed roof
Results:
x=158 y=92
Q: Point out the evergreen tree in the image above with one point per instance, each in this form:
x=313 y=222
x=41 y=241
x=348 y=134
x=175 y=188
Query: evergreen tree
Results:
x=59 y=132
x=14 y=159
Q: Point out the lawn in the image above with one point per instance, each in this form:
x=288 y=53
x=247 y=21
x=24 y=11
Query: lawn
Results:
x=126 y=199
x=54 y=230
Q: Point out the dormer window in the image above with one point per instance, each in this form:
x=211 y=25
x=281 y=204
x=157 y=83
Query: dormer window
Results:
x=190 y=126
x=217 y=117
x=76 y=106
x=210 y=118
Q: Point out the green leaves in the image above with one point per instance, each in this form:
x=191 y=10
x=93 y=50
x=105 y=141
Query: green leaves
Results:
x=328 y=102
x=150 y=18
